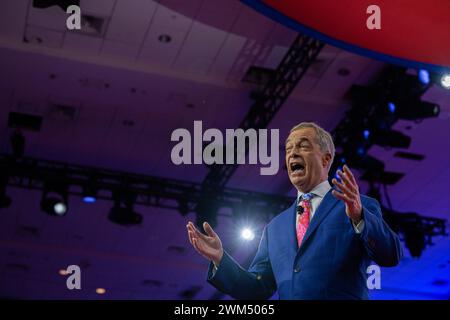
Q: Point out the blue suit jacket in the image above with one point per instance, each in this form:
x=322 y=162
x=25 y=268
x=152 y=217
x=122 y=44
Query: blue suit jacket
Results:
x=331 y=263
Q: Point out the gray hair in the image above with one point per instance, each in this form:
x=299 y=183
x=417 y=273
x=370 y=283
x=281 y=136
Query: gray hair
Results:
x=324 y=139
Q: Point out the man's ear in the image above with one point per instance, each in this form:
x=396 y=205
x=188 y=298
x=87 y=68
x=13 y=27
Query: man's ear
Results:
x=326 y=159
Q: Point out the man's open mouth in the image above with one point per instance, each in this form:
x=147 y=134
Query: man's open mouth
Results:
x=297 y=168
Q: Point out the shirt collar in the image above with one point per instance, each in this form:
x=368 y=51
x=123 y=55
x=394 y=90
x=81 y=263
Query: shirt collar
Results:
x=319 y=191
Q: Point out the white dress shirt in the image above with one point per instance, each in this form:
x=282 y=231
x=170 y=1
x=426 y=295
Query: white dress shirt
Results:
x=319 y=193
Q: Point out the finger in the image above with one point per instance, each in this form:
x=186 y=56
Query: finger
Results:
x=191 y=230
x=209 y=230
x=195 y=244
x=342 y=196
x=197 y=232
x=191 y=237
x=199 y=247
x=190 y=227
x=344 y=189
x=350 y=174
x=341 y=186
x=194 y=228
x=346 y=180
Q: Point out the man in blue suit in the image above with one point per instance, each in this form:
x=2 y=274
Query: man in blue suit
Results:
x=321 y=246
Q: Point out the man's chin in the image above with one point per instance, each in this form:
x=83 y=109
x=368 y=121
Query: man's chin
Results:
x=298 y=181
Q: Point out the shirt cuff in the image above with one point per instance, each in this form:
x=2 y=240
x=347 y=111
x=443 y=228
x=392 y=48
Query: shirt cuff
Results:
x=214 y=270
x=358 y=227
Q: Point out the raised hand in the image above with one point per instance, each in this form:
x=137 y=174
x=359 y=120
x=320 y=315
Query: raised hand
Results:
x=208 y=245
x=349 y=193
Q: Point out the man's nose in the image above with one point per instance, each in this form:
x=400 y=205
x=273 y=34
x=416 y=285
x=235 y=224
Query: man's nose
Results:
x=293 y=153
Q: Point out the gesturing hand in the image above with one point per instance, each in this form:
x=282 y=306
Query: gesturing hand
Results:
x=349 y=193
x=208 y=245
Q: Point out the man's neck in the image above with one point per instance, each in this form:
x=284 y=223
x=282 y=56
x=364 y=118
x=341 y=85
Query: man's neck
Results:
x=301 y=191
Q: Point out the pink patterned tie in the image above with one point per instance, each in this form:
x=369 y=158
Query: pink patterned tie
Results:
x=303 y=221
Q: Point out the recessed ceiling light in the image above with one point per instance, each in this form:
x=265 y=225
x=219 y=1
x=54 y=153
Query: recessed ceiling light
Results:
x=164 y=38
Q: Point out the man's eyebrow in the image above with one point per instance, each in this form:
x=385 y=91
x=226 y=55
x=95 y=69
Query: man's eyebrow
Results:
x=304 y=139
x=300 y=140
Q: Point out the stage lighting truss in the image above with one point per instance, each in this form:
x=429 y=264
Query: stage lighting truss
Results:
x=32 y=173
x=415 y=230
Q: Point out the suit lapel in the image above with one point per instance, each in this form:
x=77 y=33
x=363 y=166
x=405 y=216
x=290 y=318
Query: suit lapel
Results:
x=328 y=202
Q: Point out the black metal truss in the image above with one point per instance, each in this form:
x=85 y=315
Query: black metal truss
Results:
x=291 y=69
x=32 y=173
x=407 y=222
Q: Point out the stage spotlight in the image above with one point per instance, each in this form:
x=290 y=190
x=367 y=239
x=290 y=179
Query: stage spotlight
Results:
x=60 y=208
x=361 y=151
x=89 y=199
x=366 y=134
x=418 y=110
x=445 y=81
x=122 y=211
x=424 y=76
x=53 y=206
x=392 y=138
x=54 y=199
x=391 y=107
x=89 y=194
x=247 y=234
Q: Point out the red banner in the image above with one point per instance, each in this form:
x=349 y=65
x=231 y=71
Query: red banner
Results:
x=413 y=33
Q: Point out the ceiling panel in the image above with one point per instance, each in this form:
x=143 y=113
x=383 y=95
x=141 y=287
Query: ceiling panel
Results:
x=12 y=19
x=220 y=14
x=130 y=20
x=165 y=17
x=227 y=55
x=83 y=43
x=162 y=54
x=102 y=8
x=119 y=49
x=44 y=37
x=53 y=17
x=194 y=56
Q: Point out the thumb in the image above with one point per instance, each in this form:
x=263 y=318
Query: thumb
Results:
x=209 y=230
